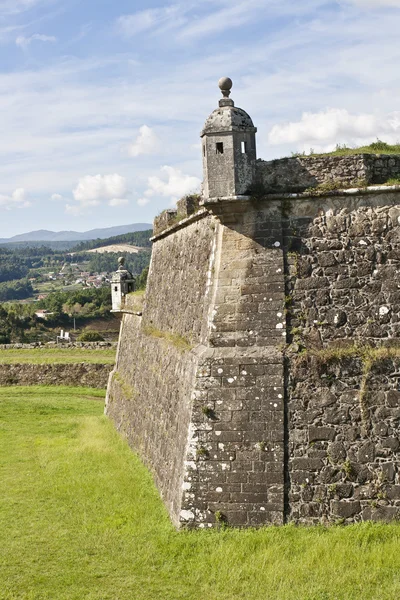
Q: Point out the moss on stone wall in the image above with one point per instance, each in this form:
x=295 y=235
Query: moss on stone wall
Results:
x=176 y=340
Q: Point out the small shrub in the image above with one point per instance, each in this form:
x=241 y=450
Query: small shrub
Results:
x=221 y=519
x=347 y=468
x=208 y=412
x=202 y=452
x=90 y=336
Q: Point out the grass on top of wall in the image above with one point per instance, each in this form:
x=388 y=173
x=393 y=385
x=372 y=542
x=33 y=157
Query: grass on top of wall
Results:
x=80 y=519
x=378 y=147
x=39 y=356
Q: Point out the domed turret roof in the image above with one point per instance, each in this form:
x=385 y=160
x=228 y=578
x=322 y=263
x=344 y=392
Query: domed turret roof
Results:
x=227 y=117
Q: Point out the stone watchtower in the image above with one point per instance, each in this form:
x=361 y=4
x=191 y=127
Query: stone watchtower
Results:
x=122 y=283
x=229 y=149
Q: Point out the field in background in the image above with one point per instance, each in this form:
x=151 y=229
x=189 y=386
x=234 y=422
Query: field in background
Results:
x=36 y=356
x=80 y=518
x=115 y=248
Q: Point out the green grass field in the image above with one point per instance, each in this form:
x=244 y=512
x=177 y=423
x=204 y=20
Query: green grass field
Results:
x=57 y=355
x=80 y=519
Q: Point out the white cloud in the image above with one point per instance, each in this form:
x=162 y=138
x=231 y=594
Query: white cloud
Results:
x=232 y=15
x=93 y=188
x=74 y=209
x=336 y=125
x=141 y=21
x=143 y=201
x=18 y=199
x=146 y=142
x=189 y=20
x=118 y=202
x=23 y=42
x=172 y=183
x=56 y=197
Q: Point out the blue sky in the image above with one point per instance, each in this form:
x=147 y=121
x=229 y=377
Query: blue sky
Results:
x=102 y=102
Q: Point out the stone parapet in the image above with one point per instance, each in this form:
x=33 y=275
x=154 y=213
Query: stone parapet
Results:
x=299 y=173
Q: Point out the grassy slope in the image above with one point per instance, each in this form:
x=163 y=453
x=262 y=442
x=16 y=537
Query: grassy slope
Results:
x=80 y=519
x=57 y=355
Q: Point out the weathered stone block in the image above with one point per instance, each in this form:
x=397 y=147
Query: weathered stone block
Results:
x=381 y=513
x=345 y=509
x=321 y=433
x=307 y=464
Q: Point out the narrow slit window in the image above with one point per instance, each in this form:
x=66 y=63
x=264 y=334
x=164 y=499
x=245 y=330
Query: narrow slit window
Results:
x=115 y=289
x=219 y=148
x=204 y=150
x=243 y=146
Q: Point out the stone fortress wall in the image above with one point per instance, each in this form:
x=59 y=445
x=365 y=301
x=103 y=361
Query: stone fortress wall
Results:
x=261 y=382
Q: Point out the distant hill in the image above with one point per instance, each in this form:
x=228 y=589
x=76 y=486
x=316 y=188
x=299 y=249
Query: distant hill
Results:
x=43 y=235
x=57 y=246
x=136 y=238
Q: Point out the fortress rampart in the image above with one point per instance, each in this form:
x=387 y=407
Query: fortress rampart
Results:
x=300 y=173
x=261 y=382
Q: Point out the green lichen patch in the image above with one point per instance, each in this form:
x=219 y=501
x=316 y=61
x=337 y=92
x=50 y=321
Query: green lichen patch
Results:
x=128 y=390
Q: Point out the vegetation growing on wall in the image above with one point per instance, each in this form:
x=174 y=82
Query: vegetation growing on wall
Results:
x=378 y=147
x=176 y=340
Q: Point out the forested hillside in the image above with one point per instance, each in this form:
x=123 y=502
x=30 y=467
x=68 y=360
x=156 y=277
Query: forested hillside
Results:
x=137 y=238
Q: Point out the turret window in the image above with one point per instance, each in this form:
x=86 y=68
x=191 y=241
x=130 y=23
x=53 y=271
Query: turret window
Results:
x=219 y=148
x=243 y=147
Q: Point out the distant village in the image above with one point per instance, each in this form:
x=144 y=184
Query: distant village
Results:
x=85 y=278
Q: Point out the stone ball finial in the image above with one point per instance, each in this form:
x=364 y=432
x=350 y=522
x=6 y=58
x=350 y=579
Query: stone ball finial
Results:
x=225 y=85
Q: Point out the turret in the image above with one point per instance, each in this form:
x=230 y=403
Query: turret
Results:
x=229 y=149
x=122 y=282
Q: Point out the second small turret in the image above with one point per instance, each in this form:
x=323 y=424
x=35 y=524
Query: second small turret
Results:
x=122 y=283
